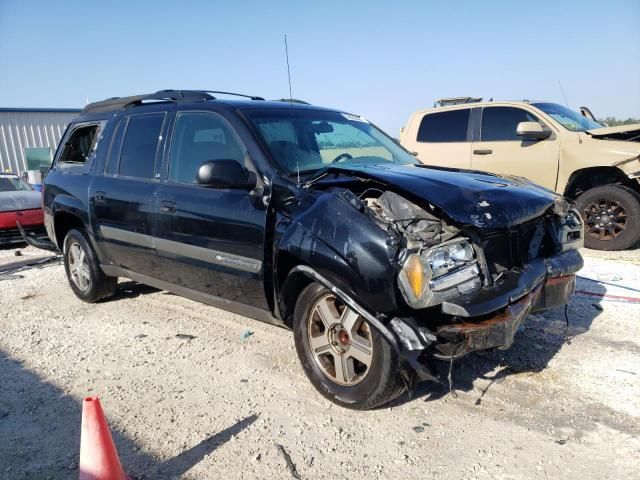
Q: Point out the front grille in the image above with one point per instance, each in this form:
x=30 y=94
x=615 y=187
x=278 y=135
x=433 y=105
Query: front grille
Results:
x=516 y=246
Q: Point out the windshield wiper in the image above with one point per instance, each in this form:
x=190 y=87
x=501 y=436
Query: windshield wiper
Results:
x=304 y=172
x=320 y=173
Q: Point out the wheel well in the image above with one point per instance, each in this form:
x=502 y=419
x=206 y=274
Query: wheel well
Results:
x=289 y=285
x=586 y=178
x=62 y=223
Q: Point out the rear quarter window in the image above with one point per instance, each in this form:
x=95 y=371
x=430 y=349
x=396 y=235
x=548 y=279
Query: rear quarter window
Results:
x=79 y=147
x=439 y=127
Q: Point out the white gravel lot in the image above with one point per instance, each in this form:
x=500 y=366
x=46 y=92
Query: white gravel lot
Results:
x=217 y=406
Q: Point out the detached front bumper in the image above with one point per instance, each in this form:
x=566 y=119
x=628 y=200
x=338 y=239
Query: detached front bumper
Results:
x=489 y=318
x=31 y=220
x=498 y=331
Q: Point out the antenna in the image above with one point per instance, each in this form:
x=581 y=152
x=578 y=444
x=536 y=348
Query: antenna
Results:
x=565 y=97
x=286 y=51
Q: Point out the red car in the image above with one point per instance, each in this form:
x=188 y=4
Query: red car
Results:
x=19 y=203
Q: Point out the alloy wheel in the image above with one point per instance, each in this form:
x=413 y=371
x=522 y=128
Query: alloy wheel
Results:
x=605 y=219
x=79 y=266
x=340 y=340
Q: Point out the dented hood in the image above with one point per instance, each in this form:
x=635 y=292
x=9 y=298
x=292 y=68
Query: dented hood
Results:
x=20 y=200
x=467 y=197
x=607 y=130
x=621 y=132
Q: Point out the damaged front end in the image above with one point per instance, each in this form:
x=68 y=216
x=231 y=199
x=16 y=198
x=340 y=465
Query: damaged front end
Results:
x=469 y=289
x=459 y=286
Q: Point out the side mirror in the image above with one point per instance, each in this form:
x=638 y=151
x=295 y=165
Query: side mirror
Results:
x=532 y=131
x=225 y=174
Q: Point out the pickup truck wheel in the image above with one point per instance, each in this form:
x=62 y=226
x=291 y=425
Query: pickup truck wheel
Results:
x=344 y=357
x=86 y=278
x=611 y=215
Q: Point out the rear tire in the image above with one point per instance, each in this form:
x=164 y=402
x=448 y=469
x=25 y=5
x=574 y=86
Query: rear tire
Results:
x=86 y=278
x=611 y=215
x=350 y=362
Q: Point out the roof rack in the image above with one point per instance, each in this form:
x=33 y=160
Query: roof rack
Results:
x=161 y=95
x=444 y=102
x=252 y=97
x=117 y=103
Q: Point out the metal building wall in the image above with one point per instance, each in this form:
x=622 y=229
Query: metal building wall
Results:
x=20 y=129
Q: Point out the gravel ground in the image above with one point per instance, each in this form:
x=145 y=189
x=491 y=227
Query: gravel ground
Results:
x=187 y=397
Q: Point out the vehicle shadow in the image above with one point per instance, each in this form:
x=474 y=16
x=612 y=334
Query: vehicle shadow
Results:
x=40 y=433
x=14 y=246
x=131 y=289
x=541 y=336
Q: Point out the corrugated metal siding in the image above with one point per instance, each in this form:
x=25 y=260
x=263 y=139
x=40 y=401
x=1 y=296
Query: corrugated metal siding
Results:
x=20 y=130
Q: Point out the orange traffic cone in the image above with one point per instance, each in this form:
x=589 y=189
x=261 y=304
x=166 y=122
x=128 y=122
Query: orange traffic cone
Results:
x=98 y=456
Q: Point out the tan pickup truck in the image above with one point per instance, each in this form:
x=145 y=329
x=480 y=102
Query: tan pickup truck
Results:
x=554 y=146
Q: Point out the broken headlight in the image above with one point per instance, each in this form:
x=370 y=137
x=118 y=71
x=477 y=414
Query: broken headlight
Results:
x=446 y=258
x=569 y=231
x=439 y=273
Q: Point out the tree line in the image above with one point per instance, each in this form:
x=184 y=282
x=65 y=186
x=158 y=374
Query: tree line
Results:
x=614 y=122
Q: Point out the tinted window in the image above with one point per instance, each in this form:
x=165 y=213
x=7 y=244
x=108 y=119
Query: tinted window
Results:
x=138 y=155
x=445 y=126
x=197 y=138
x=500 y=123
x=79 y=145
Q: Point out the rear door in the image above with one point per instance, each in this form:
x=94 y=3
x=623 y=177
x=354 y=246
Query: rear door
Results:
x=500 y=150
x=210 y=240
x=122 y=197
x=442 y=138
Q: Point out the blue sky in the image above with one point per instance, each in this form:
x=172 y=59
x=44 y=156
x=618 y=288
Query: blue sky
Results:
x=379 y=59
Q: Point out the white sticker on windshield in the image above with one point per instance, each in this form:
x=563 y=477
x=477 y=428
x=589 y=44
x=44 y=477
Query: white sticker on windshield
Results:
x=354 y=118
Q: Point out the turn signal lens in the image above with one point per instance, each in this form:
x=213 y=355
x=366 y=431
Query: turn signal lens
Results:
x=415 y=274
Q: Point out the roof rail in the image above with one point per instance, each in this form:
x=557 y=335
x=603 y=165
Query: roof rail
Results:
x=117 y=103
x=444 y=102
x=252 y=97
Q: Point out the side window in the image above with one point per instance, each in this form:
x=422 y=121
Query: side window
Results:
x=441 y=127
x=80 y=145
x=138 y=154
x=500 y=123
x=197 y=138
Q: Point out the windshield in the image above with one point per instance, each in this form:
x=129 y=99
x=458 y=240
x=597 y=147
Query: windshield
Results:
x=569 y=119
x=304 y=141
x=11 y=184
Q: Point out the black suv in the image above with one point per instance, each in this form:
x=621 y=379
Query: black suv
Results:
x=309 y=218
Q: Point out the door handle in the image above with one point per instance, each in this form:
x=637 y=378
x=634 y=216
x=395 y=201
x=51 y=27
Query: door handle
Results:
x=100 y=197
x=167 y=206
x=482 y=152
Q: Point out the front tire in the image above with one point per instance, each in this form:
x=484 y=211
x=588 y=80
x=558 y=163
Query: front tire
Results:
x=347 y=360
x=611 y=215
x=86 y=278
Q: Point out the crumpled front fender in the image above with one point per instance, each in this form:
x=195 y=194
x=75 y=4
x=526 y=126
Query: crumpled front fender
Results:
x=345 y=246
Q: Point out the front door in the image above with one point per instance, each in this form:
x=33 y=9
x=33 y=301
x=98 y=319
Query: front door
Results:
x=123 y=196
x=210 y=240
x=501 y=151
